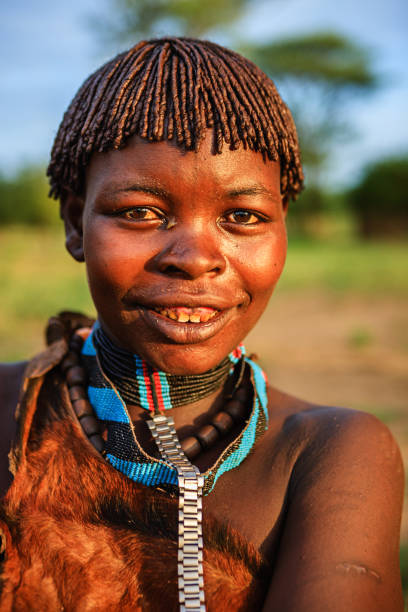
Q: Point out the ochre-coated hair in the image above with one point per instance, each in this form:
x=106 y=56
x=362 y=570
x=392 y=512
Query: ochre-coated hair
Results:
x=175 y=89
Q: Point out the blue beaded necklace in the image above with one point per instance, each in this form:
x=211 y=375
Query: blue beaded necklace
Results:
x=123 y=450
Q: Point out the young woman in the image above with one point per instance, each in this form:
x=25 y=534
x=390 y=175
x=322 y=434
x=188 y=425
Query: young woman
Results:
x=153 y=466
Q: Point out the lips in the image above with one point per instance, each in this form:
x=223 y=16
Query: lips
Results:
x=185 y=314
x=183 y=317
x=180 y=324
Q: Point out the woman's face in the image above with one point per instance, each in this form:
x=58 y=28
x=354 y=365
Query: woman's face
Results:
x=182 y=250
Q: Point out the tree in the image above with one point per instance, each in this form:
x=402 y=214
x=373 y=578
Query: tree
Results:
x=131 y=20
x=23 y=198
x=379 y=201
x=318 y=74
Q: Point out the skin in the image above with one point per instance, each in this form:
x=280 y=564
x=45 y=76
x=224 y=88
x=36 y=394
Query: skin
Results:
x=190 y=250
x=321 y=495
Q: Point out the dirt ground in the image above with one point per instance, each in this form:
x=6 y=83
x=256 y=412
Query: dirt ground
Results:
x=345 y=349
x=340 y=350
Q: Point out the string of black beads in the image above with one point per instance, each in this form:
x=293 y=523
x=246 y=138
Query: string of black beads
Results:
x=221 y=424
x=75 y=376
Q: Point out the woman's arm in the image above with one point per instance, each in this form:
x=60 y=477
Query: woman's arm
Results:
x=339 y=549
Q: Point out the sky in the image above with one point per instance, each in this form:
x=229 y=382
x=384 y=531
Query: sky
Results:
x=47 y=49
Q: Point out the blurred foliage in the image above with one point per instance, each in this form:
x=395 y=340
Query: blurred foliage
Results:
x=404 y=568
x=318 y=73
x=131 y=20
x=39 y=278
x=324 y=57
x=24 y=199
x=306 y=211
x=380 y=201
x=360 y=337
x=319 y=213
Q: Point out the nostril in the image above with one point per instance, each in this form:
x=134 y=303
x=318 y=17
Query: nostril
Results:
x=173 y=270
x=189 y=259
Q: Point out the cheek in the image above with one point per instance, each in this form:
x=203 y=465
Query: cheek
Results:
x=113 y=261
x=265 y=263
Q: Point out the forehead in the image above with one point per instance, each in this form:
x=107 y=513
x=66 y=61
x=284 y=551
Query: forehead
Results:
x=166 y=165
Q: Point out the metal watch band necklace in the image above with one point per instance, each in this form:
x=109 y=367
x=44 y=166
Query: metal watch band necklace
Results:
x=122 y=449
x=156 y=391
x=221 y=424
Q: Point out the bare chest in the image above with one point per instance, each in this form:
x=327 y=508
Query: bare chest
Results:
x=252 y=499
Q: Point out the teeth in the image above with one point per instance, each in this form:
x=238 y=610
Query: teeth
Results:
x=187 y=315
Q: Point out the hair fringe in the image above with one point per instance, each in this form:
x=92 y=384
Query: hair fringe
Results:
x=175 y=88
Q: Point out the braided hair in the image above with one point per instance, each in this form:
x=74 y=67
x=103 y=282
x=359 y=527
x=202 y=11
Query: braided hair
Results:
x=175 y=89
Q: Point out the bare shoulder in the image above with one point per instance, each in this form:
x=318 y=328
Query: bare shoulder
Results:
x=11 y=376
x=356 y=439
x=320 y=432
x=341 y=532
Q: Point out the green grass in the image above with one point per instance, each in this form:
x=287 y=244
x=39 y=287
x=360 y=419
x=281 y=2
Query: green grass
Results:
x=404 y=568
x=38 y=279
x=384 y=413
x=360 y=337
x=347 y=266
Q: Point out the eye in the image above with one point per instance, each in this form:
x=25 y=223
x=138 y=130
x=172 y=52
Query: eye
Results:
x=142 y=213
x=243 y=217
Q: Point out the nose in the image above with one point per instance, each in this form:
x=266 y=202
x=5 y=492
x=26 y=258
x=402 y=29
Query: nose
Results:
x=191 y=254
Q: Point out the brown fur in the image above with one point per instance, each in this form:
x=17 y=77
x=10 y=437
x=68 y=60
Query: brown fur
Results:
x=81 y=536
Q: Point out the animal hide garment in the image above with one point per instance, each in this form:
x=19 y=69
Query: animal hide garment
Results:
x=79 y=536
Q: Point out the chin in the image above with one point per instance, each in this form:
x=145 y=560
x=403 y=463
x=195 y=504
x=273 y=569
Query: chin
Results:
x=183 y=360
x=181 y=349
x=175 y=347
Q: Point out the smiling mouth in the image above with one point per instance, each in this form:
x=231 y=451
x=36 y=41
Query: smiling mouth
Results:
x=185 y=314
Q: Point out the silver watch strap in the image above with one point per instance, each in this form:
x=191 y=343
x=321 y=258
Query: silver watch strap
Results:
x=190 y=538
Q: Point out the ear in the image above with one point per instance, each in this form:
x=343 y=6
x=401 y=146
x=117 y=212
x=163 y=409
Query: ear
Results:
x=71 y=209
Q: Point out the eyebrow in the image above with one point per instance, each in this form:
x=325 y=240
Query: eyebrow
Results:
x=143 y=188
x=252 y=190
x=155 y=190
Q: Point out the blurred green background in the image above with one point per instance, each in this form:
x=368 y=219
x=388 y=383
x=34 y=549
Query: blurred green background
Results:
x=336 y=330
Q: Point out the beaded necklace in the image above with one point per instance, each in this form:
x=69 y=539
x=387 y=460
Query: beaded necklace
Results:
x=122 y=448
x=140 y=384
x=124 y=452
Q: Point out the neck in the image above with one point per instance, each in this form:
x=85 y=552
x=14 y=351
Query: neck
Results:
x=140 y=385
x=232 y=432
x=194 y=400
